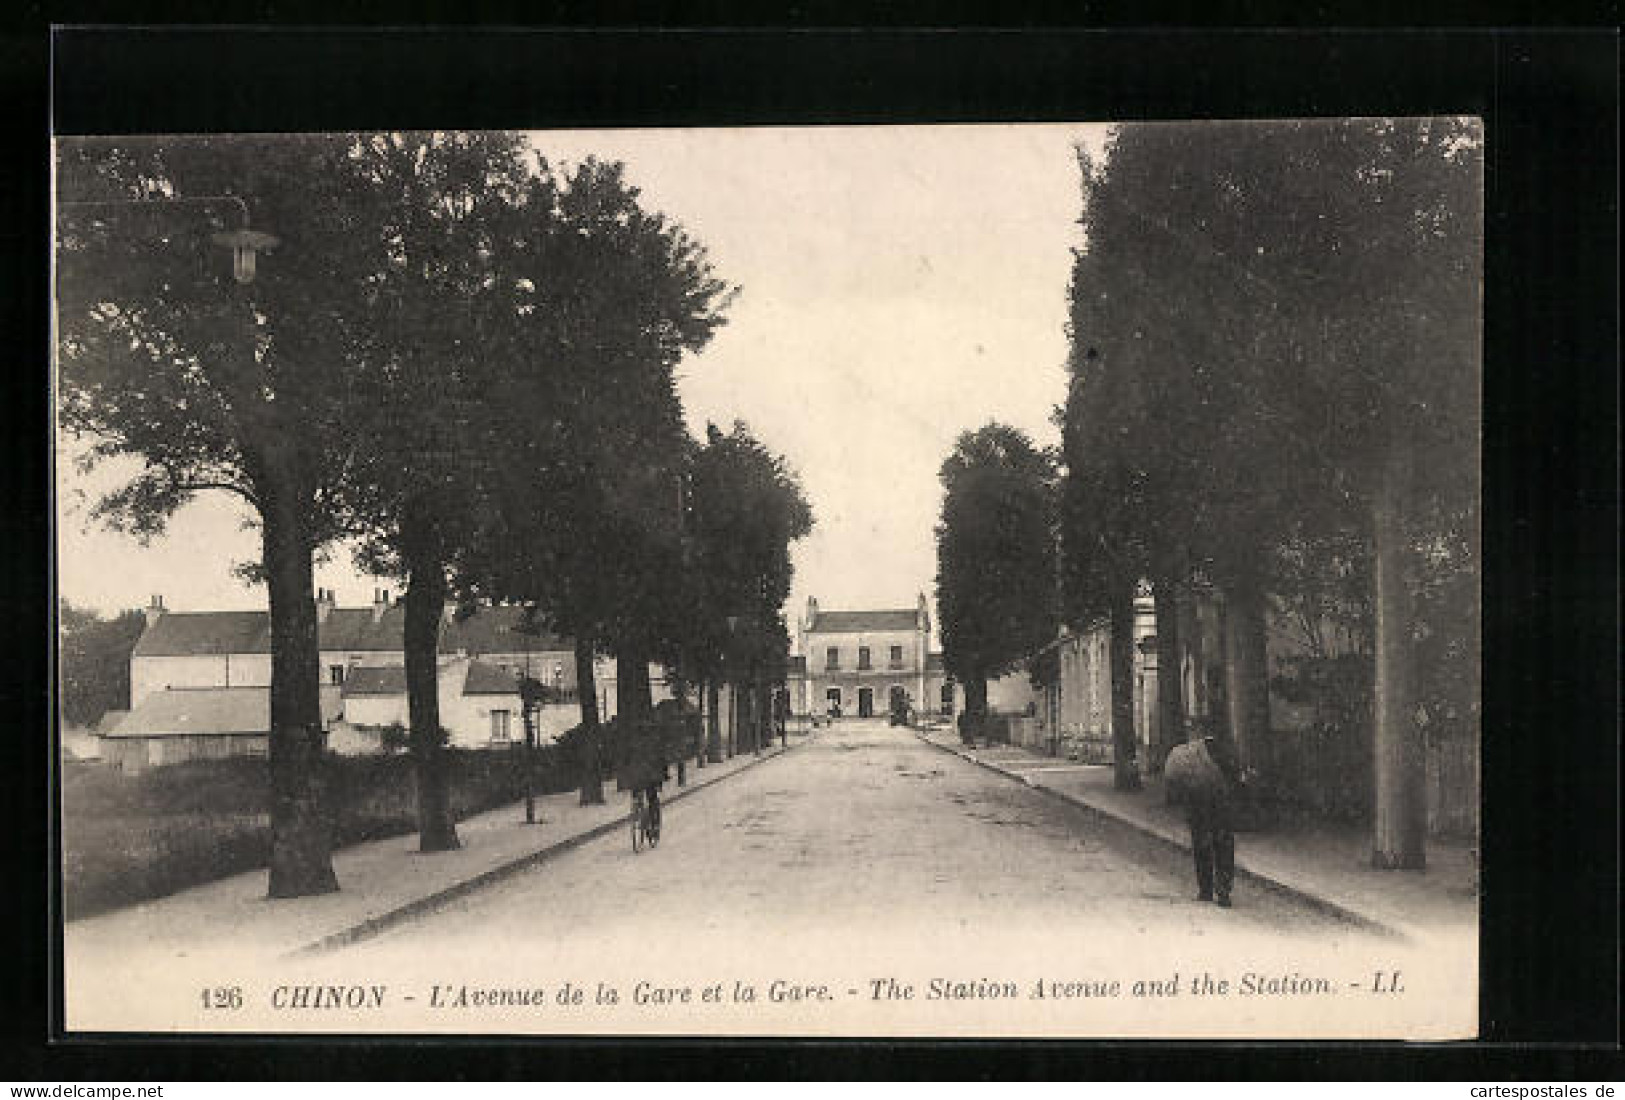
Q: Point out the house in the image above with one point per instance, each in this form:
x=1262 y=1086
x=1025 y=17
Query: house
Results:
x=362 y=660
x=858 y=662
x=233 y=648
x=480 y=707
x=1324 y=770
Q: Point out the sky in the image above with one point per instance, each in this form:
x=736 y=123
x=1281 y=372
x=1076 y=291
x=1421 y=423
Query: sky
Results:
x=897 y=286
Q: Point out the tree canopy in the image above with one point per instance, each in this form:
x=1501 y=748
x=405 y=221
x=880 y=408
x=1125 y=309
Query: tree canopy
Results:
x=94 y=662
x=746 y=508
x=1258 y=312
x=995 y=553
x=581 y=510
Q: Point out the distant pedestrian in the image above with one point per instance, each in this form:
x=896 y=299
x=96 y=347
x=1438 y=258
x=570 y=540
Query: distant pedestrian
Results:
x=1202 y=777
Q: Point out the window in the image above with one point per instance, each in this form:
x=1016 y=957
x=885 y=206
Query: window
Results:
x=832 y=657
x=896 y=656
x=335 y=674
x=501 y=726
x=863 y=657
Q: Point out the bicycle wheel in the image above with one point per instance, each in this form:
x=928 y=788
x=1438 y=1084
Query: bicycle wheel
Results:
x=637 y=829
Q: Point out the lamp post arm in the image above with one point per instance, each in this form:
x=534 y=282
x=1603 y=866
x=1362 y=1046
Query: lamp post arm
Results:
x=163 y=201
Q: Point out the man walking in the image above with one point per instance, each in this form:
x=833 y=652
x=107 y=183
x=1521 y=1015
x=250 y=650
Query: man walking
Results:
x=1201 y=776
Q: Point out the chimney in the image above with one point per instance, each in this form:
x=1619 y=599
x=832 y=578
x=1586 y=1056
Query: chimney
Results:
x=324 y=604
x=155 y=609
x=380 y=603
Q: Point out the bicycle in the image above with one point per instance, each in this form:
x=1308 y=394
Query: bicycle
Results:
x=645 y=822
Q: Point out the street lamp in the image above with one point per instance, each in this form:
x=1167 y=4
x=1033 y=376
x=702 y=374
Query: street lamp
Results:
x=244 y=244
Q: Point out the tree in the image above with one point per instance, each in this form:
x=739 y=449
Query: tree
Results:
x=220 y=386
x=95 y=661
x=446 y=204
x=995 y=558
x=746 y=508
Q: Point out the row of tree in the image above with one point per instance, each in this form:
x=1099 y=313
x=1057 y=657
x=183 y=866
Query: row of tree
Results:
x=459 y=359
x=1275 y=392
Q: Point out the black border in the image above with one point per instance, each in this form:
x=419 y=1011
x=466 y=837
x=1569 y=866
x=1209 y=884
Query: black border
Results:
x=1550 y=96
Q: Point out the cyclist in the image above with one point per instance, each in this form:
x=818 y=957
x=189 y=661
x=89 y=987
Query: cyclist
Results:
x=646 y=809
x=651 y=799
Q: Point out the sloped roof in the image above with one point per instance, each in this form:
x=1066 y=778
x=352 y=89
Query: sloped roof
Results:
x=356 y=628
x=488 y=679
x=480 y=678
x=178 y=712
x=192 y=633
x=375 y=680
x=854 y=622
x=195 y=633
x=496 y=630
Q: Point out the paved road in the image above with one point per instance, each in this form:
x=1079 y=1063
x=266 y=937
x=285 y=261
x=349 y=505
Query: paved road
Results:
x=864 y=835
x=924 y=894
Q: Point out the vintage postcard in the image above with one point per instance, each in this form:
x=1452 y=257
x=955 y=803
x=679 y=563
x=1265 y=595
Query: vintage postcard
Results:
x=967 y=580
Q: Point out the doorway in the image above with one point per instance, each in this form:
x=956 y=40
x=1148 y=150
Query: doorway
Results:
x=866 y=702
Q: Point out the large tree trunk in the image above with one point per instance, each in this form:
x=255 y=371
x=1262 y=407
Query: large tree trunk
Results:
x=713 y=721
x=1170 y=725
x=301 y=835
x=1125 y=746
x=1246 y=667
x=592 y=779
x=1400 y=825
x=735 y=714
x=425 y=602
x=975 y=708
x=632 y=699
x=764 y=713
x=702 y=747
x=631 y=694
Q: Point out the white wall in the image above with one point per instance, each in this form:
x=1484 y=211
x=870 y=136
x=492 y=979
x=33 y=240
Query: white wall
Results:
x=1010 y=694
x=606 y=681
x=150 y=674
x=375 y=710
x=348 y=740
x=879 y=642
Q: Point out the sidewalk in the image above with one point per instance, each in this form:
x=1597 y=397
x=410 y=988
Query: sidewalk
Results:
x=381 y=883
x=1324 y=865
